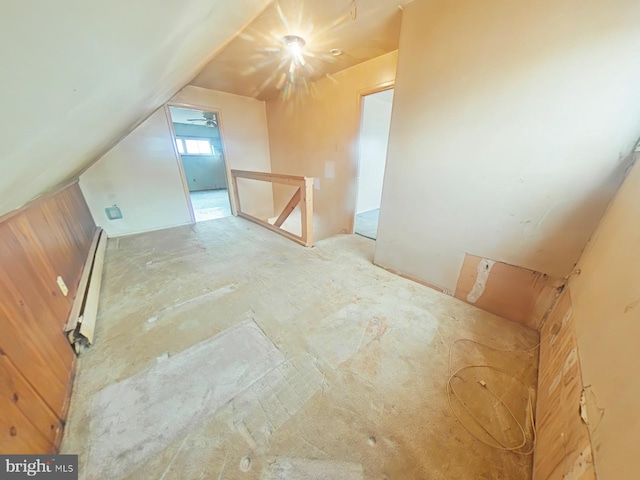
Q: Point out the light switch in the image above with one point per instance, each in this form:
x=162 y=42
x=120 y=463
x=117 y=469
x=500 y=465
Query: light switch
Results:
x=62 y=286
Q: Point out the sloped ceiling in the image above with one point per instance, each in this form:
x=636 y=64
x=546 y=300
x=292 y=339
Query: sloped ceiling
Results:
x=77 y=75
x=257 y=64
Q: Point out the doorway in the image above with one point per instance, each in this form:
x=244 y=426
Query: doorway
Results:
x=374 y=138
x=200 y=147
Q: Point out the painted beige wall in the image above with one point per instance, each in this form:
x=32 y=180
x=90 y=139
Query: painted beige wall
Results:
x=510 y=124
x=142 y=177
x=606 y=308
x=77 y=76
x=243 y=125
x=316 y=135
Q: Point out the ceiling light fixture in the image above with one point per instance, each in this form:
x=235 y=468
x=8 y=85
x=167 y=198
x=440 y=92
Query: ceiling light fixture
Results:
x=336 y=52
x=294 y=43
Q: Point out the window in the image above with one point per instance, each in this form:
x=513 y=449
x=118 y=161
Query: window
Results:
x=180 y=146
x=195 y=146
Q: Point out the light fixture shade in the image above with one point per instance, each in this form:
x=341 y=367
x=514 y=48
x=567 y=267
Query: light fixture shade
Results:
x=294 y=42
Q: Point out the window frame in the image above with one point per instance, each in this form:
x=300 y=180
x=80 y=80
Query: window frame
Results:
x=182 y=140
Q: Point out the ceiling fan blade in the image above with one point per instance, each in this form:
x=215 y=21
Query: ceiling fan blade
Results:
x=269 y=49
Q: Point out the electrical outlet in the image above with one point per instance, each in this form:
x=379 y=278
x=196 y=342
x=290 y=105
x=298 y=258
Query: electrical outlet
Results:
x=63 y=286
x=113 y=213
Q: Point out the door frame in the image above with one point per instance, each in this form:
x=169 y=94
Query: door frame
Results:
x=185 y=183
x=381 y=87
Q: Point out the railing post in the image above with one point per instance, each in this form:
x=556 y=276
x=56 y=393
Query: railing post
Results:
x=236 y=195
x=307 y=211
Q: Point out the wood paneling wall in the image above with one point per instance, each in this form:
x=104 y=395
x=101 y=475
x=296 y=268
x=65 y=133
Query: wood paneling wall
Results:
x=563 y=446
x=48 y=238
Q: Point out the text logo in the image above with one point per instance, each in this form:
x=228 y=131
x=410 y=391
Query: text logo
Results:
x=51 y=467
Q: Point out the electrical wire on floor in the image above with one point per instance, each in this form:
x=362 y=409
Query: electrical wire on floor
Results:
x=451 y=391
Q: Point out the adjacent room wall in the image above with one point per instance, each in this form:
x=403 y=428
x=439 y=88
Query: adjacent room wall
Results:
x=316 y=135
x=374 y=138
x=141 y=175
x=48 y=238
x=606 y=309
x=511 y=124
x=203 y=172
x=243 y=125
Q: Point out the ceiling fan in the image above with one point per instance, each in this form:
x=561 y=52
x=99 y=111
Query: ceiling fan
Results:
x=210 y=120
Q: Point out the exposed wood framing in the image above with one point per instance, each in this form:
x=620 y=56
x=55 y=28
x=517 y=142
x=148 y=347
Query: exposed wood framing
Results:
x=303 y=196
x=289 y=207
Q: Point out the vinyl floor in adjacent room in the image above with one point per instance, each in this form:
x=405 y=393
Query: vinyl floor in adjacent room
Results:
x=224 y=351
x=210 y=204
x=367 y=223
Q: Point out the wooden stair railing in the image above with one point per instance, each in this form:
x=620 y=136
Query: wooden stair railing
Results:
x=303 y=196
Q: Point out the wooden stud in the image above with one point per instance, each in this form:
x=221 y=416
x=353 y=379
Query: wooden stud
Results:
x=307 y=212
x=289 y=207
x=270 y=177
x=267 y=225
x=236 y=195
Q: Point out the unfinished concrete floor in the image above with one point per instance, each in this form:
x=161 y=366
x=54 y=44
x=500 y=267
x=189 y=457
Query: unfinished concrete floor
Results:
x=225 y=351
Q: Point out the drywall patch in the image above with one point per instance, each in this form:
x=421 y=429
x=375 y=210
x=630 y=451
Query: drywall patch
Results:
x=281 y=468
x=516 y=293
x=135 y=419
x=484 y=269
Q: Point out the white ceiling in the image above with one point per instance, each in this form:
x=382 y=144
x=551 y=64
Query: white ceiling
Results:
x=77 y=75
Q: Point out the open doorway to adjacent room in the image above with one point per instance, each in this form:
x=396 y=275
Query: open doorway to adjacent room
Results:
x=199 y=144
x=374 y=138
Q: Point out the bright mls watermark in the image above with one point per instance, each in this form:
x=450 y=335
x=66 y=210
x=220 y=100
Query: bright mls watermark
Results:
x=52 y=467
